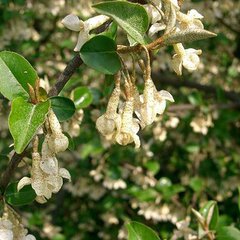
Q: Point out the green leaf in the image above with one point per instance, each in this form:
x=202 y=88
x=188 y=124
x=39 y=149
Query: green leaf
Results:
x=228 y=233
x=24 y=121
x=139 y=231
x=16 y=73
x=239 y=198
x=143 y=195
x=82 y=97
x=210 y=212
x=196 y=184
x=111 y=31
x=100 y=54
x=108 y=85
x=25 y=196
x=152 y=166
x=130 y=16
x=64 y=108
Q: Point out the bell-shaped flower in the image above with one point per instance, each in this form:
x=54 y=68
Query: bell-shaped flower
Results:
x=46 y=176
x=187 y=58
x=109 y=121
x=161 y=99
x=190 y=20
x=127 y=132
x=57 y=141
x=152 y=103
x=73 y=23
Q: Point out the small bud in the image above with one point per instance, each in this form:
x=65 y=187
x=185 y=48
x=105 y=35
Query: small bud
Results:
x=189 y=35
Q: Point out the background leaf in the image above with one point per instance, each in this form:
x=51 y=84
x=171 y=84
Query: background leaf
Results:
x=138 y=231
x=64 y=108
x=25 y=196
x=82 y=97
x=16 y=73
x=24 y=120
x=131 y=17
x=100 y=54
x=228 y=233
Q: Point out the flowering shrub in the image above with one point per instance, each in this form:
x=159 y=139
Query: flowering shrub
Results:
x=142 y=156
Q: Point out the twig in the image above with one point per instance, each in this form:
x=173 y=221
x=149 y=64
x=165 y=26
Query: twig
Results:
x=177 y=83
x=190 y=107
x=74 y=64
x=8 y=173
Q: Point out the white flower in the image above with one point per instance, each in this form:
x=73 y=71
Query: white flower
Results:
x=11 y=228
x=73 y=23
x=201 y=124
x=127 y=132
x=183 y=231
x=109 y=121
x=46 y=176
x=156 y=27
x=187 y=58
x=152 y=103
x=190 y=20
x=57 y=141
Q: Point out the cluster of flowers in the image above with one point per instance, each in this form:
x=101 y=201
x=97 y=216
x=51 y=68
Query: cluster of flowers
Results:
x=173 y=20
x=118 y=123
x=164 y=15
x=46 y=176
x=11 y=227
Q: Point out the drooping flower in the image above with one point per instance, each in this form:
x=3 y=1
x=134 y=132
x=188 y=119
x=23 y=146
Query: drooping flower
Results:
x=11 y=227
x=187 y=58
x=73 y=23
x=58 y=142
x=127 y=132
x=46 y=176
x=109 y=121
x=152 y=103
x=45 y=180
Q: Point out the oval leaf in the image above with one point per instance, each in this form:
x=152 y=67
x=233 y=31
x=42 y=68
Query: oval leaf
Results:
x=16 y=73
x=138 y=231
x=228 y=233
x=100 y=54
x=130 y=16
x=25 y=196
x=210 y=213
x=64 y=108
x=24 y=120
x=82 y=97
